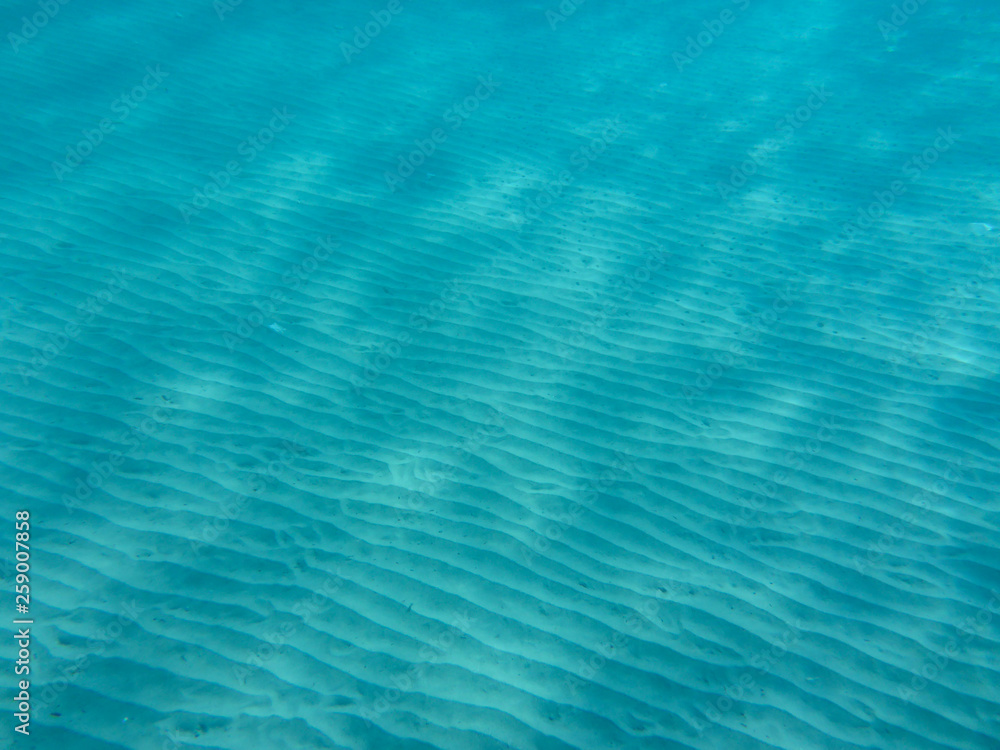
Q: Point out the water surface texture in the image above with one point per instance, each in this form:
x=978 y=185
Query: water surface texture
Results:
x=502 y=375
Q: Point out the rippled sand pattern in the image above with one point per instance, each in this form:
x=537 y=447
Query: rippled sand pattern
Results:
x=486 y=385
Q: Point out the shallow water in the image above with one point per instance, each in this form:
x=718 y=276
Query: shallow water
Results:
x=505 y=375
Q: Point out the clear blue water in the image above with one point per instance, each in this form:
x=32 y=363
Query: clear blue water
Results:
x=500 y=375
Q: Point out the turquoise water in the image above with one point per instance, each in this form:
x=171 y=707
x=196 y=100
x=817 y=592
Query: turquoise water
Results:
x=509 y=375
